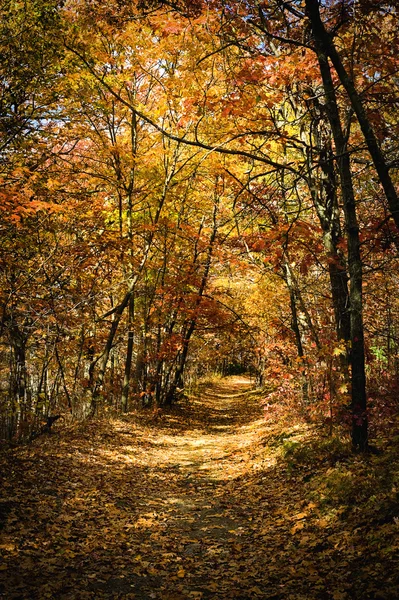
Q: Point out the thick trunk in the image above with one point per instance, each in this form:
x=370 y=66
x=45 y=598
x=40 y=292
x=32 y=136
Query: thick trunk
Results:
x=330 y=222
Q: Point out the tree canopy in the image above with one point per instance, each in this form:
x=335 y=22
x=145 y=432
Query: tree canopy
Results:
x=194 y=187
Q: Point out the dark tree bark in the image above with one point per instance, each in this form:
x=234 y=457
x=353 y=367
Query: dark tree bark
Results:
x=296 y=329
x=325 y=45
x=324 y=194
x=190 y=326
x=129 y=358
x=359 y=398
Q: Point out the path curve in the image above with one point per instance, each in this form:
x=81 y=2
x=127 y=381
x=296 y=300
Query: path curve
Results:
x=196 y=503
x=138 y=508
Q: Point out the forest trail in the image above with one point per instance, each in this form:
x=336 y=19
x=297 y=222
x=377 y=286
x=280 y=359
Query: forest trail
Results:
x=188 y=504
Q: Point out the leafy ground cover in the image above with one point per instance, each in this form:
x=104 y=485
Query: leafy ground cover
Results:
x=214 y=499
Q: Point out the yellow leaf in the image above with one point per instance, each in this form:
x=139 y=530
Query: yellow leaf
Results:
x=181 y=573
x=323 y=523
x=299 y=516
x=297 y=527
x=338 y=351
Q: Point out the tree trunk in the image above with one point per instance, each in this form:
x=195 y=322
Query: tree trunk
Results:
x=324 y=195
x=325 y=45
x=296 y=329
x=129 y=358
x=178 y=377
x=359 y=399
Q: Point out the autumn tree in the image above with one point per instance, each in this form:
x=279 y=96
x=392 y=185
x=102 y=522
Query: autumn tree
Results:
x=158 y=144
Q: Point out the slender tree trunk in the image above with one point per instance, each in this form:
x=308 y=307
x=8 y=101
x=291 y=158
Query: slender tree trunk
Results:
x=178 y=377
x=62 y=372
x=324 y=194
x=325 y=45
x=107 y=349
x=359 y=399
x=130 y=335
x=296 y=329
x=19 y=376
x=129 y=358
x=119 y=310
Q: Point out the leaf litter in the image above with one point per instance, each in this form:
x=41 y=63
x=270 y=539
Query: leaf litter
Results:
x=207 y=500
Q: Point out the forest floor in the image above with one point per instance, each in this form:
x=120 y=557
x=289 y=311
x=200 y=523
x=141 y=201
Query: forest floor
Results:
x=214 y=499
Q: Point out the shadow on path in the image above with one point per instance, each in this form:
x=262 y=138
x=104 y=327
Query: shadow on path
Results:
x=185 y=505
x=132 y=509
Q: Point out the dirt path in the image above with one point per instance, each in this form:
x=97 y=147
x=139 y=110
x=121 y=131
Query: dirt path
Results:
x=138 y=511
x=193 y=504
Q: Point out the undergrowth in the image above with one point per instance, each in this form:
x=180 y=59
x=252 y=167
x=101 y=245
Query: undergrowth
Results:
x=356 y=492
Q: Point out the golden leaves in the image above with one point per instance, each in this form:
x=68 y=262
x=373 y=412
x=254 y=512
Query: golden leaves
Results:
x=169 y=528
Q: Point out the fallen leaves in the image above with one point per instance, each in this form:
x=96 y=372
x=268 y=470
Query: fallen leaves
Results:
x=297 y=527
x=186 y=517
